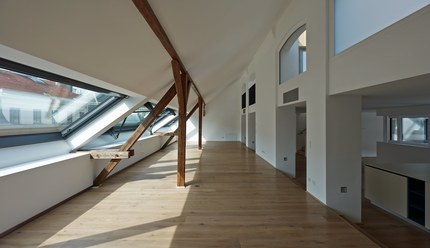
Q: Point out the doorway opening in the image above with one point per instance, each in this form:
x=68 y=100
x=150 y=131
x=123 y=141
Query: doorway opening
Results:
x=301 y=146
x=251 y=131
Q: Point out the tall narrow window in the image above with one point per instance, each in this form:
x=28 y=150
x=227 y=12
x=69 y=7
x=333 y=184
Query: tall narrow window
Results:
x=293 y=56
x=302 y=59
x=252 y=95
x=14 y=116
x=394 y=129
x=243 y=100
x=37 y=116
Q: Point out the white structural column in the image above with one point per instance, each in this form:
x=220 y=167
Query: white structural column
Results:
x=343 y=157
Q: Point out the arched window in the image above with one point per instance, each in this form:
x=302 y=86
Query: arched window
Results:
x=292 y=57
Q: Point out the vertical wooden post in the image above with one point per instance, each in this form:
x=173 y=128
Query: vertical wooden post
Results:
x=200 y=121
x=181 y=90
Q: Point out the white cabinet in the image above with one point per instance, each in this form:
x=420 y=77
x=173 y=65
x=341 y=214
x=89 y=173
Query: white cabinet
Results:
x=387 y=190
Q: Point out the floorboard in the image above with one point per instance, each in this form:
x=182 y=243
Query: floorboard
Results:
x=233 y=198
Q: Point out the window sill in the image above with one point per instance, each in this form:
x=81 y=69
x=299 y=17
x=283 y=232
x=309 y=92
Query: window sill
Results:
x=421 y=145
x=115 y=145
x=39 y=163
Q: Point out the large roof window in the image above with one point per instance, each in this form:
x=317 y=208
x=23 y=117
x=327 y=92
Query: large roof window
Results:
x=132 y=121
x=38 y=102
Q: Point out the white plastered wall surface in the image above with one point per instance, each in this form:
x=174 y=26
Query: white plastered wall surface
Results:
x=312 y=87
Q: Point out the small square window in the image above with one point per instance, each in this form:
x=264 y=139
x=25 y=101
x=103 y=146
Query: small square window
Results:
x=415 y=130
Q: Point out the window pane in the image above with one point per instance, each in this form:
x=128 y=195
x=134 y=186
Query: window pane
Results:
x=302 y=59
x=33 y=103
x=414 y=129
x=355 y=20
x=131 y=122
x=244 y=100
x=292 y=57
x=251 y=95
x=393 y=129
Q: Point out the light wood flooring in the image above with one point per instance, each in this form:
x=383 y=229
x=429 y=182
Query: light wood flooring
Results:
x=382 y=227
x=233 y=199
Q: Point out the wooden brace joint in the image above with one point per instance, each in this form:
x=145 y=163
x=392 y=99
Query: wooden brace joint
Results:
x=111 y=154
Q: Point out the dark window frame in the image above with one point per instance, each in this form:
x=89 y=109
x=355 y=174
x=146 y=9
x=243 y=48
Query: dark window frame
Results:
x=252 y=95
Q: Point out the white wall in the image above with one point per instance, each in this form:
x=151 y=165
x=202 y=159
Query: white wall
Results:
x=372 y=131
x=397 y=52
x=398 y=153
x=222 y=119
x=27 y=193
x=312 y=87
x=344 y=155
x=264 y=66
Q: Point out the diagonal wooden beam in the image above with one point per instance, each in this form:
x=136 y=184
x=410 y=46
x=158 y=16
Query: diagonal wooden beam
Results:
x=170 y=94
x=145 y=9
x=176 y=131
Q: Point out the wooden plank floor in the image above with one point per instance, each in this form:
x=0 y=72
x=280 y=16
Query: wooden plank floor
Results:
x=233 y=199
x=391 y=231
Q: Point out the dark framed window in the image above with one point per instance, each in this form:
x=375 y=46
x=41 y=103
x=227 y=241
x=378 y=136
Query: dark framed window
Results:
x=252 y=95
x=409 y=129
x=244 y=100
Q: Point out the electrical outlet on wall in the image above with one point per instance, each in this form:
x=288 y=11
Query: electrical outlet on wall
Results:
x=343 y=189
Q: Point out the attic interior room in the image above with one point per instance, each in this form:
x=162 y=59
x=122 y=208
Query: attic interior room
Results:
x=228 y=123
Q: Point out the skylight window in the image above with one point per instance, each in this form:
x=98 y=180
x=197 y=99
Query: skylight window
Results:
x=31 y=104
x=132 y=121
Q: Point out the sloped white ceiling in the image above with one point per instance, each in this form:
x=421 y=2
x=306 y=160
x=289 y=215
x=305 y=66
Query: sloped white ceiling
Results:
x=111 y=41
